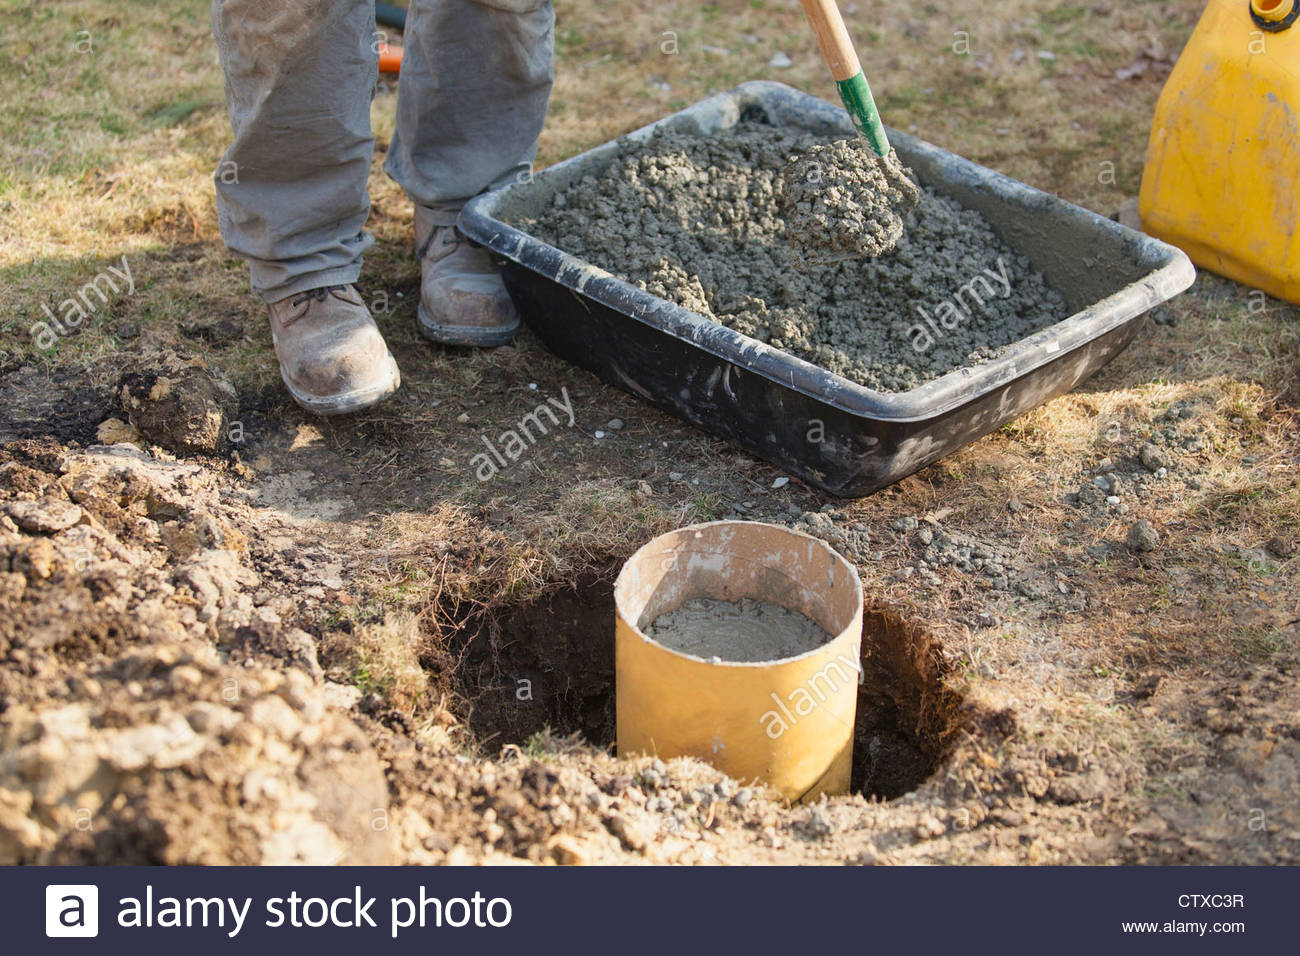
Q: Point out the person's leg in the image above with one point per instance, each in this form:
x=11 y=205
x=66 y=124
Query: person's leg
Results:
x=472 y=94
x=475 y=81
x=291 y=189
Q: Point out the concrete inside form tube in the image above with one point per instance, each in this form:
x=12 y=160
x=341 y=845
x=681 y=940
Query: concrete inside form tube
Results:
x=788 y=722
x=747 y=630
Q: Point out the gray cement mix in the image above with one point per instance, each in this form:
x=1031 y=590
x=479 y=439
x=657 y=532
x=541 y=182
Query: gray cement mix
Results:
x=842 y=201
x=698 y=221
x=742 y=631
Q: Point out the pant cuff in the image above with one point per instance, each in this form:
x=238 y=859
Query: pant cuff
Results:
x=340 y=275
x=443 y=214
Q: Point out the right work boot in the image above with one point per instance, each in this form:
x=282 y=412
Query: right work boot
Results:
x=333 y=358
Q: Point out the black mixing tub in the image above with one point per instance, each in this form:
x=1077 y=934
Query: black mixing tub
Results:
x=833 y=433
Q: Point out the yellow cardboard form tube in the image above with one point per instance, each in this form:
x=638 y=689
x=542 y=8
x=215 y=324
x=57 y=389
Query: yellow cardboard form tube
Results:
x=787 y=723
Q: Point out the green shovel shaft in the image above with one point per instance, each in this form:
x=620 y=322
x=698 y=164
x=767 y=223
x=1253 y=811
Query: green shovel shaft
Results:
x=861 y=105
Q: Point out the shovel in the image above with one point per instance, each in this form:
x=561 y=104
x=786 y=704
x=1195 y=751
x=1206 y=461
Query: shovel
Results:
x=846 y=71
x=848 y=200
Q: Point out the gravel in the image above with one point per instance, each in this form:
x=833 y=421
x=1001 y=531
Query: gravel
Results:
x=1153 y=458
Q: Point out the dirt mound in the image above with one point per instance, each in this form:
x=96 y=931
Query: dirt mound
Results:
x=153 y=714
x=170 y=757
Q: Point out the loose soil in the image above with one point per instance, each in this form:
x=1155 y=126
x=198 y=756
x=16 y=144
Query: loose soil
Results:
x=699 y=221
x=330 y=654
x=739 y=631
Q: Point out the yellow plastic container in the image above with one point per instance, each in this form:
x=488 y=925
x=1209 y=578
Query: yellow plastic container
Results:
x=787 y=723
x=1222 y=176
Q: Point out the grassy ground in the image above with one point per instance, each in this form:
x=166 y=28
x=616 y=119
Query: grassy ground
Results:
x=113 y=122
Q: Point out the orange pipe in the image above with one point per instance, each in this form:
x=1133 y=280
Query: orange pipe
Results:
x=390 y=58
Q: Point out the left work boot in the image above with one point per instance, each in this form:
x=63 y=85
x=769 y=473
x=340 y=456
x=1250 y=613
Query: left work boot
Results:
x=462 y=298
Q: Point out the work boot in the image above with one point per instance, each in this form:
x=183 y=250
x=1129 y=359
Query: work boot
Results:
x=332 y=357
x=462 y=298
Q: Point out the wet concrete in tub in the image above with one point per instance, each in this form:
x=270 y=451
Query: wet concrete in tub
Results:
x=698 y=221
x=737 y=631
x=842 y=201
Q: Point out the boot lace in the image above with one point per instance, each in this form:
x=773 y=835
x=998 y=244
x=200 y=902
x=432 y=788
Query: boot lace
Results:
x=320 y=295
x=449 y=244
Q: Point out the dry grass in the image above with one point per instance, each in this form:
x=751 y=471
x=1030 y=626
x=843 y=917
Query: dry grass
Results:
x=384 y=658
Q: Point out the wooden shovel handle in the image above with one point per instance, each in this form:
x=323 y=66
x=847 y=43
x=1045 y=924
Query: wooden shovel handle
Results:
x=833 y=38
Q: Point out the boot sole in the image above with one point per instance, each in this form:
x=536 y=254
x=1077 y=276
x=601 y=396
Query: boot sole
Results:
x=350 y=402
x=464 y=334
